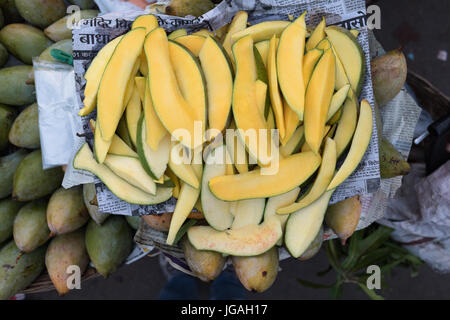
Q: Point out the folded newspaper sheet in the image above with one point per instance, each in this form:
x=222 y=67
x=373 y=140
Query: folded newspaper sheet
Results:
x=93 y=34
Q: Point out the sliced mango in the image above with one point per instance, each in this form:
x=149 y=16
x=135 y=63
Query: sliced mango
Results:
x=101 y=146
x=177 y=33
x=147 y=21
x=94 y=74
x=290 y=65
x=263 y=49
x=324 y=176
x=132 y=114
x=168 y=102
x=238 y=23
x=355 y=32
x=294 y=143
x=324 y=45
x=291 y=122
x=341 y=76
x=337 y=101
x=309 y=63
x=317 y=35
x=112 y=89
x=181 y=167
x=219 y=82
x=140 y=83
x=236 y=149
x=251 y=240
x=155 y=130
x=192 y=42
x=262 y=31
x=255 y=185
x=248 y=212
x=347 y=124
x=350 y=54
x=360 y=142
x=318 y=98
x=204 y=33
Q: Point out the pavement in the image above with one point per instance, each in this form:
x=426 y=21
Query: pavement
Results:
x=422 y=29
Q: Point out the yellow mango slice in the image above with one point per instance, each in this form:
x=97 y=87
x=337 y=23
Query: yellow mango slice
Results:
x=290 y=65
x=317 y=100
x=317 y=35
x=355 y=32
x=143 y=66
x=294 y=143
x=111 y=92
x=190 y=80
x=147 y=21
x=306 y=147
x=236 y=150
x=247 y=115
x=309 y=63
x=260 y=95
x=341 y=76
x=291 y=122
x=204 y=33
x=337 y=100
x=324 y=45
x=360 y=142
x=219 y=82
x=351 y=55
x=192 y=42
x=238 y=23
x=182 y=169
x=275 y=97
x=132 y=114
x=155 y=131
x=324 y=176
x=262 y=31
x=140 y=83
x=263 y=49
x=94 y=74
x=255 y=185
x=168 y=102
x=347 y=124
x=177 y=33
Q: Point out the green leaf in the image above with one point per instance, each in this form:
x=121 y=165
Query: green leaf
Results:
x=377 y=257
x=371 y=293
x=336 y=290
x=313 y=285
x=184 y=228
x=324 y=272
x=331 y=250
x=353 y=250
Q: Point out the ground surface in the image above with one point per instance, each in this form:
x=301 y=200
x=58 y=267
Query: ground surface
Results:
x=422 y=28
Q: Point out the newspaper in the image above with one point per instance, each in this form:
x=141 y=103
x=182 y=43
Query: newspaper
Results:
x=399 y=116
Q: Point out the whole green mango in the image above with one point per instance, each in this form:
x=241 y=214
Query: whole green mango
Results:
x=134 y=221
x=4 y=56
x=7 y=116
x=8 y=166
x=109 y=244
x=41 y=13
x=64 y=251
x=30 y=226
x=83 y=4
x=8 y=212
x=194 y=8
x=63 y=45
x=18 y=270
x=58 y=30
x=25 y=129
x=13 y=87
x=24 y=41
x=90 y=201
x=32 y=182
x=66 y=211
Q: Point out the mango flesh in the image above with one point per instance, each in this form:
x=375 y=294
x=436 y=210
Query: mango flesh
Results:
x=257 y=273
x=24 y=41
x=8 y=166
x=183 y=8
x=13 y=87
x=4 y=56
x=392 y=163
x=8 y=211
x=63 y=45
x=18 y=270
x=207 y=265
x=64 y=251
x=30 y=226
x=7 y=116
x=25 y=129
x=388 y=75
x=66 y=211
x=109 y=244
x=41 y=13
x=58 y=30
x=31 y=181
x=90 y=201
x=314 y=247
x=343 y=217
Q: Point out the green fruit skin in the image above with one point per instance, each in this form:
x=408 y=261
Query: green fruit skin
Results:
x=32 y=182
x=24 y=41
x=183 y=8
x=10 y=12
x=4 y=56
x=8 y=211
x=314 y=247
x=63 y=45
x=24 y=132
x=8 y=166
x=13 y=88
x=58 y=30
x=134 y=222
x=7 y=116
x=18 y=270
x=41 y=13
x=30 y=226
x=109 y=244
x=64 y=251
x=83 y=4
x=90 y=201
x=66 y=211
x=392 y=163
